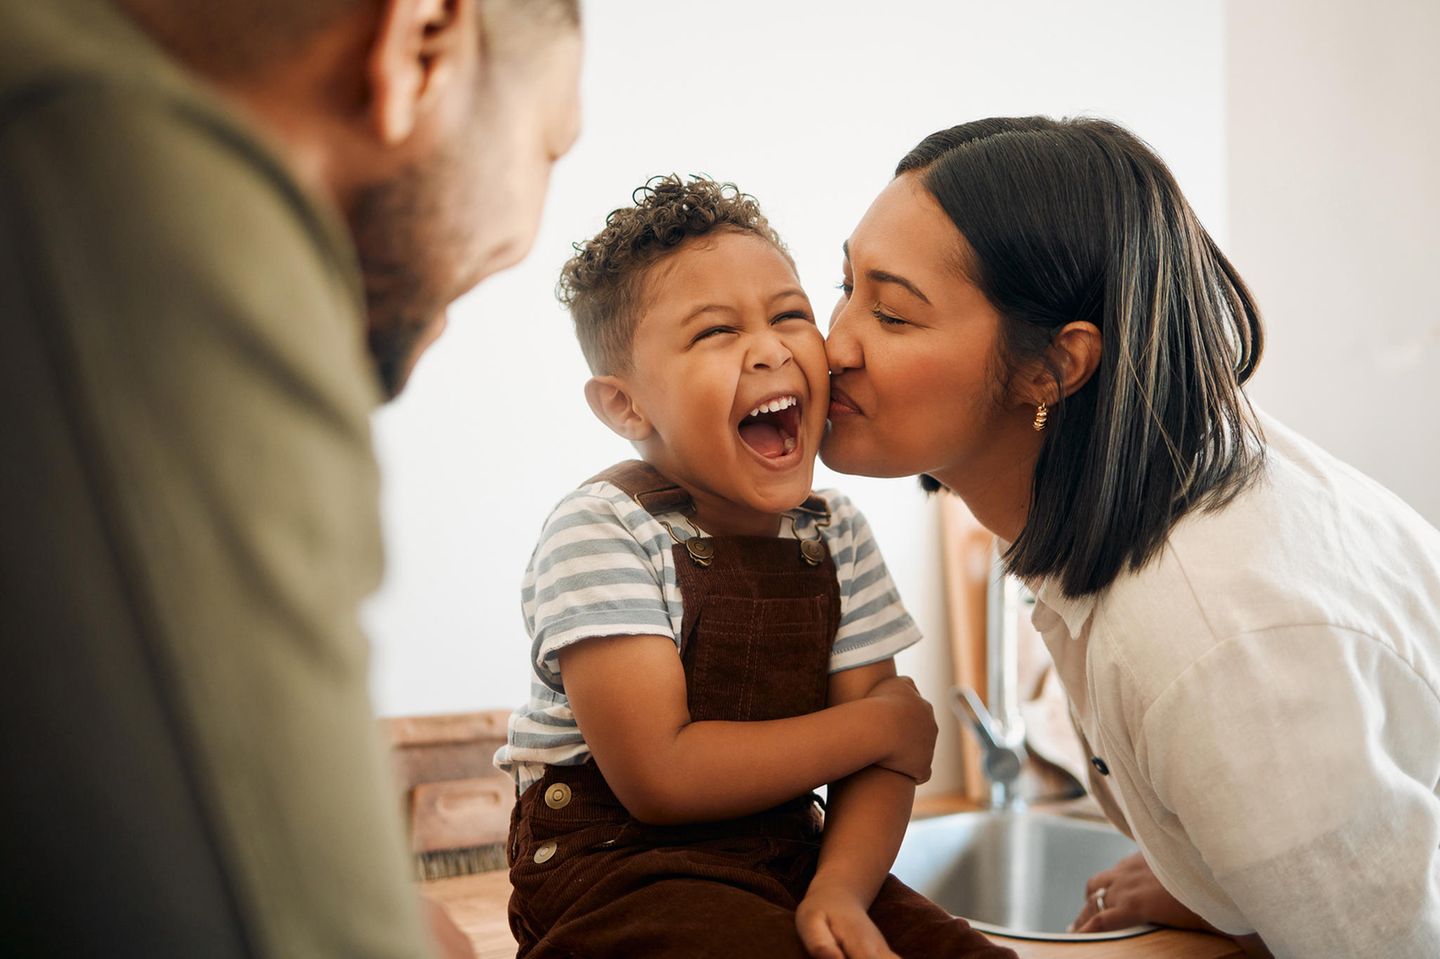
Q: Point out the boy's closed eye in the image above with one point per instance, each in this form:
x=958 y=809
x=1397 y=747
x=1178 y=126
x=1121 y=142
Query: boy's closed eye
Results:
x=712 y=332
x=718 y=330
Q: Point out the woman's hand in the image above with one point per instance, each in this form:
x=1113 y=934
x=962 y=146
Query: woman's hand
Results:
x=834 y=924
x=1128 y=894
x=915 y=727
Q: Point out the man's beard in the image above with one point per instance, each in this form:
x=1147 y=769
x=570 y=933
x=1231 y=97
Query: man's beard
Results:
x=400 y=239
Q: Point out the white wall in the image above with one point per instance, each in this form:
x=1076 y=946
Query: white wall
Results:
x=1334 y=213
x=808 y=106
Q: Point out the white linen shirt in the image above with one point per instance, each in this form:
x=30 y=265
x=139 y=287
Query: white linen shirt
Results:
x=1264 y=697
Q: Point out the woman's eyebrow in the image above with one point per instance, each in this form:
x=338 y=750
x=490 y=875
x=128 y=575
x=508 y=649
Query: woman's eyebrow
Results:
x=881 y=276
x=885 y=276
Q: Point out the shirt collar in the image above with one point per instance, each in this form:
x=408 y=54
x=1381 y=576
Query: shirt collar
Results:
x=1075 y=611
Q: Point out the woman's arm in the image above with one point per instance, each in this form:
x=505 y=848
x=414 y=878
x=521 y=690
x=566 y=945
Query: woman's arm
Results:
x=1301 y=763
x=629 y=698
x=867 y=814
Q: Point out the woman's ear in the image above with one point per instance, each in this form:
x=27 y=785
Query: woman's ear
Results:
x=1074 y=354
x=412 y=60
x=610 y=400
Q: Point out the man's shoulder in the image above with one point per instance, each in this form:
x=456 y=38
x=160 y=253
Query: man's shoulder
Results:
x=48 y=49
x=86 y=96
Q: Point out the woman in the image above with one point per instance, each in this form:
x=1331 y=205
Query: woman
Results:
x=1249 y=630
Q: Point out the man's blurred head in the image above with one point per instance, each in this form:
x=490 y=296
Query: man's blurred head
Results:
x=432 y=124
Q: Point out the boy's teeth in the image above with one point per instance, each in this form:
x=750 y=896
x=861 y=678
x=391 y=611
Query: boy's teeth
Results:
x=775 y=406
x=789 y=443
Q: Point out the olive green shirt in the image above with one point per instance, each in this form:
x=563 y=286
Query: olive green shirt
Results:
x=189 y=757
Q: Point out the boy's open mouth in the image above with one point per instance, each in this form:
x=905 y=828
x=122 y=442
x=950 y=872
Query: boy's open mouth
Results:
x=772 y=428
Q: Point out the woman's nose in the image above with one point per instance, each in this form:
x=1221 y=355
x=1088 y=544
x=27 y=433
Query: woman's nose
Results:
x=841 y=347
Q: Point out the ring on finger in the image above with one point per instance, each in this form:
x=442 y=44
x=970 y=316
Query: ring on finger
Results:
x=1100 y=899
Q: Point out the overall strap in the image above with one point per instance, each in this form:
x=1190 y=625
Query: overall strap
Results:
x=647 y=486
x=656 y=494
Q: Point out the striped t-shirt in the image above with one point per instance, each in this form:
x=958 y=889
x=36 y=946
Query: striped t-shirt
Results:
x=604 y=567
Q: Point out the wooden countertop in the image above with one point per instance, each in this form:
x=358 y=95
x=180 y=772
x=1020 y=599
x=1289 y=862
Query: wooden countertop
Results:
x=477 y=904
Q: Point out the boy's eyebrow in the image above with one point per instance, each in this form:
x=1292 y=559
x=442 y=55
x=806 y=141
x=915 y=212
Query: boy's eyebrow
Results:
x=722 y=308
x=707 y=308
x=885 y=276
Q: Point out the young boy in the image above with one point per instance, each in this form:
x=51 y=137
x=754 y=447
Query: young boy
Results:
x=711 y=641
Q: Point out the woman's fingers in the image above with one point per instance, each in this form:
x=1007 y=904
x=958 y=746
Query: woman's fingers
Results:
x=1101 y=880
x=1087 y=912
x=1113 y=918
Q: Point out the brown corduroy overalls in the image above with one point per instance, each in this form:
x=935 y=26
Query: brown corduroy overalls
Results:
x=591 y=881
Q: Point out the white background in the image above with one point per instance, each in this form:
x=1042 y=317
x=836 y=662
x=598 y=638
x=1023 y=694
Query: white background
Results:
x=809 y=106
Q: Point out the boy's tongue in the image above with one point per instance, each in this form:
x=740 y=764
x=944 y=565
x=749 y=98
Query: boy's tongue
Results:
x=765 y=438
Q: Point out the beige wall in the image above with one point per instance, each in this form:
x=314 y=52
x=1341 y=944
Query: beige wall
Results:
x=1333 y=216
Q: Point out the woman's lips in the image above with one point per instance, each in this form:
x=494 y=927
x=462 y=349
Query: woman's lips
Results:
x=841 y=404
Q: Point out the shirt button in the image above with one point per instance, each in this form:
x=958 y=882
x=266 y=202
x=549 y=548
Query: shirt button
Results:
x=1099 y=765
x=557 y=796
x=545 y=853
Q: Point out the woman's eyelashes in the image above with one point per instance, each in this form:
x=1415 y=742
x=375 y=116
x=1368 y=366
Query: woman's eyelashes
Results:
x=886 y=319
x=847 y=289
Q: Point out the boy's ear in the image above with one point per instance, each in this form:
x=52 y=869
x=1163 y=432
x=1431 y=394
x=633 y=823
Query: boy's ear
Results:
x=611 y=401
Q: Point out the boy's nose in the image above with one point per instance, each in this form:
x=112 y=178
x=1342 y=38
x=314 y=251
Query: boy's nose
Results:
x=769 y=353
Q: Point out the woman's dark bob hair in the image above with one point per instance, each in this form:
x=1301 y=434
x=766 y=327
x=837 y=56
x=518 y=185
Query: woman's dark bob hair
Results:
x=1078 y=219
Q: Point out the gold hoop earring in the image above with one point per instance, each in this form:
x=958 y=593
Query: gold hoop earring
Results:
x=1042 y=413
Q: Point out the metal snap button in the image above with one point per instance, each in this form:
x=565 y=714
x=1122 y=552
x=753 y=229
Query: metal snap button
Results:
x=812 y=551
x=545 y=853
x=702 y=551
x=557 y=796
x=1100 y=766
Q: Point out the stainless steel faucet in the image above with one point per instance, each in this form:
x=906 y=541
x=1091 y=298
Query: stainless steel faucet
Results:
x=999 y=729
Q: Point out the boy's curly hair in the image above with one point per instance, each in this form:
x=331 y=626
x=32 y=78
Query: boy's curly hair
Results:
x=602 y=283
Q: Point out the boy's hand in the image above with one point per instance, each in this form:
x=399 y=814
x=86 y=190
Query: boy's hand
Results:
x=914 y=723
x=834 y=924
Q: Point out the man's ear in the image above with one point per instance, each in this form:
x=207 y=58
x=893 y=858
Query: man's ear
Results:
x=412 y=60
x=611 y=401
x=1074 y=353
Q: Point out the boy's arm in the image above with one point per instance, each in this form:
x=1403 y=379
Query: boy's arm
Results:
x=629 y=698
x=865 y=821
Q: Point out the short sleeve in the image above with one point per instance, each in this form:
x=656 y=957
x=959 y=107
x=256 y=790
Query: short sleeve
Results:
x=1301 y=764
x=874 y=624
x=598 y=570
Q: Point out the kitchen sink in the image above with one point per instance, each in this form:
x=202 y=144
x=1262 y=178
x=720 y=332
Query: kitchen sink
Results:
x=1013 y=873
